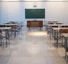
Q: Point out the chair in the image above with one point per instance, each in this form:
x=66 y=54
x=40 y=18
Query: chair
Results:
x=66 y=48
x=64 y=44
x=2 y=37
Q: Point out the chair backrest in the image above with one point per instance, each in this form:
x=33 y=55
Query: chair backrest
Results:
x=2 y=25
x=64 y=26
x=63 y=31
x=0 y=31
x=54 y=26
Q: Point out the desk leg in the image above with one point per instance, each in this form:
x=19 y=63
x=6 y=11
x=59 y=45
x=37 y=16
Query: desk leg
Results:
x=65 y=47
x=0 y=42
x=28 y=28
x=40 y=28
x=62 y=41
x=57 y=39
x=14 y=33
x=7 y=37
x=56 y=33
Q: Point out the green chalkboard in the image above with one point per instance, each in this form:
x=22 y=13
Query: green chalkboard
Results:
x=34 y=13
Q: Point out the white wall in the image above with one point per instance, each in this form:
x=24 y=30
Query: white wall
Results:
x=0 y=12
x=15 y=11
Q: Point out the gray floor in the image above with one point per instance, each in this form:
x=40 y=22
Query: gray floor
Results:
x=32 y=47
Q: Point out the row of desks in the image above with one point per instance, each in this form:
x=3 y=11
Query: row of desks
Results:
x=8 y=27
x=58 y=32
x=55 y=30
x=6 y=30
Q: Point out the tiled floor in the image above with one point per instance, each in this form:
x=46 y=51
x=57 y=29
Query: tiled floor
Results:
x=32 y=47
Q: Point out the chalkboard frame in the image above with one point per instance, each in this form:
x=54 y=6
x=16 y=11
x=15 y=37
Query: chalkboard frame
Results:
x=35 y=13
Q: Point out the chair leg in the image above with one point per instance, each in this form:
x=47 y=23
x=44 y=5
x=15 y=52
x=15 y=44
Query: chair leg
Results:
x=65 y=55
x=2 y=43
x=9 y=41
x=6 y=42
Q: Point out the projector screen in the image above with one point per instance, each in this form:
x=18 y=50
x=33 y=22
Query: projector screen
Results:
x=34 y=13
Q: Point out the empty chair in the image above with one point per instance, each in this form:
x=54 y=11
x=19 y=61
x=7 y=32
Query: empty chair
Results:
x=4 y=37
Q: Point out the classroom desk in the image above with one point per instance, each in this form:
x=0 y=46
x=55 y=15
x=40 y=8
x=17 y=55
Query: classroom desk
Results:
x=13 y=27
x=65 y=35
x=6 y=29
x=35 y=23
x=57 y=34
x=49 y=26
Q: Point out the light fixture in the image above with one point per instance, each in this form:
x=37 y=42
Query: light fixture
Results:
x=35 y=4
